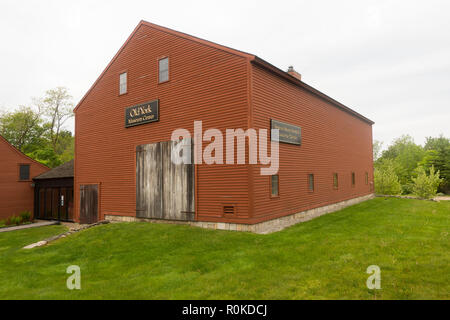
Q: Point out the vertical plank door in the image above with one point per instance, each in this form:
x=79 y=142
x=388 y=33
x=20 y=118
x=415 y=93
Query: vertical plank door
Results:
x=164 y=189
x=88 y=203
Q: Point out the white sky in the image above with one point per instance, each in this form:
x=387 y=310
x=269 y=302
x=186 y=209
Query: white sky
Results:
x=389 y=60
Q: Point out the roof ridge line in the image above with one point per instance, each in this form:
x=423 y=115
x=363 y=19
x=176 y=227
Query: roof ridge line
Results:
x=250 y=57
x=172 y=32
x=21 y=153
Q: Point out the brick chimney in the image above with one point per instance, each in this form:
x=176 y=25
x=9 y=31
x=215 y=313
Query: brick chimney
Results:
x=294 y=73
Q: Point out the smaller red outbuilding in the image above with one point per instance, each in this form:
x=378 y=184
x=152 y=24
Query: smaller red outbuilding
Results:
x=16 y=184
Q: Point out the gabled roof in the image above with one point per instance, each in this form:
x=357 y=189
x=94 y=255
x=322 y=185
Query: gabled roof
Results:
x=308 y=88
x=20 y=153
x=63 y=171
x=251 y=57
x=166 y=30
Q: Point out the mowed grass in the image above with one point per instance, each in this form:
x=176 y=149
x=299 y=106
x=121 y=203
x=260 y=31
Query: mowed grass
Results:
x=325 y=258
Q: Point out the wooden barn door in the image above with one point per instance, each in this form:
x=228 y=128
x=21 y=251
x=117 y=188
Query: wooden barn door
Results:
x=164 y=190
x=88 y=203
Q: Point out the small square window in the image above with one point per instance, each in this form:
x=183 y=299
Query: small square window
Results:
x=163 y=69
x=335 y=180
x=123 y=83
x=274 y=185
x=353 y=179
x=310 y=182
x=24 y=172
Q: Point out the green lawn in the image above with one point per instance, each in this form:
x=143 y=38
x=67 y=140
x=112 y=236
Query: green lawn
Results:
x=325 y=258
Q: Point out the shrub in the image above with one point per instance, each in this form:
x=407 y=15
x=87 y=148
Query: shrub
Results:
x=15 y=220
x=26 y=216
x=408 y=188
x=385 y=178
x=425 y=186
x=2 y=223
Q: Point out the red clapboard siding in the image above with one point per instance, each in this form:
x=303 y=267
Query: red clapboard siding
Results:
x=16 y=196
x=226 y=89
x=332 y=141
x=205 y=84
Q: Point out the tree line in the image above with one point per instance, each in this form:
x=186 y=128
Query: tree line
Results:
x=408 y=168
x=38 y=129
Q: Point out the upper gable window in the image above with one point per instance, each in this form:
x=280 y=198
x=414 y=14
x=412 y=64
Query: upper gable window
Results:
x=123 y=83
x=24 y=172
x=163 y=69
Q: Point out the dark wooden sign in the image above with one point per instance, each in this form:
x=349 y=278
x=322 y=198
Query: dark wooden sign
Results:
x=288 y=132
x=142 y=113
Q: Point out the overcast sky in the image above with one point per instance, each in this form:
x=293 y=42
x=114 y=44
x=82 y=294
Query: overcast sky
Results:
x=389 y=60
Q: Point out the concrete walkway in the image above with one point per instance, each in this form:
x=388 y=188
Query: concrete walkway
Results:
x=28 y=226
x=442 y=198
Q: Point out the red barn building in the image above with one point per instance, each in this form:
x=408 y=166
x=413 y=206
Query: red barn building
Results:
x=16 y=172
x=162 y=80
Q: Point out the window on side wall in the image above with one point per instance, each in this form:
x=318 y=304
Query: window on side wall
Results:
x=123 y=83
x=310 y=182
x=275 y=184
x=24 y=172
x=163 y=70
x=367 y=178
x=335 y=181
x=353 y=179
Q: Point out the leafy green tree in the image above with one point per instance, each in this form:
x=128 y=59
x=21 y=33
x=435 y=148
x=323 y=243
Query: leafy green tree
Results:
x=39 y=132
x=47 y=156
x=425 y=186
x=377 y=146
x=65 y=148
x=437 y=155
x=64 y=141
x=44 y=152
x=22 y=127
x=439 y=143
x=385 y=178
x=57 y=106
x=407 y=154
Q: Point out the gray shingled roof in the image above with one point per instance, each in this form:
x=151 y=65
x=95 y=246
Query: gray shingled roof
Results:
x=63 y=171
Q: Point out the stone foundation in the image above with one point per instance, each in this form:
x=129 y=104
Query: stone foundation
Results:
x=262 y=227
